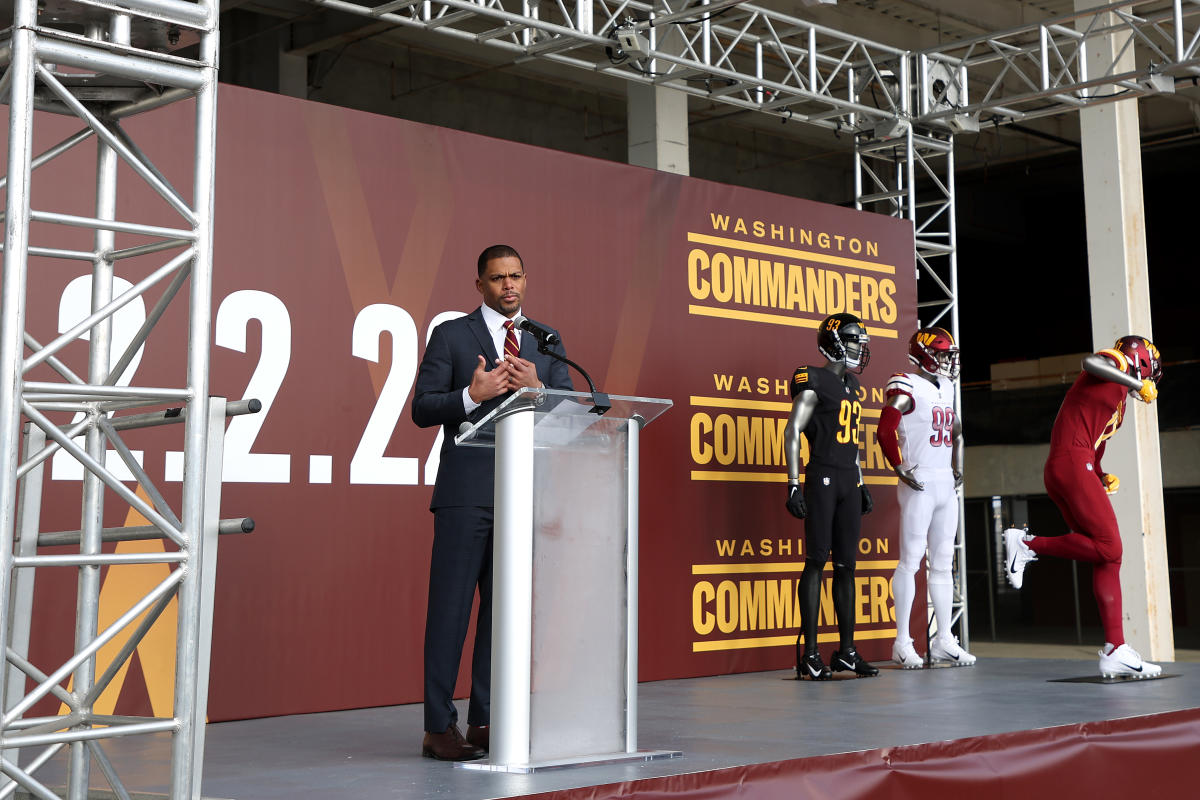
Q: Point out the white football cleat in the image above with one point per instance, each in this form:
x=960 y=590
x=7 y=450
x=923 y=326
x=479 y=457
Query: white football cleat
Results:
x=906 y=655
x=1125 y=662
x=1016 y=555
x=947 y=649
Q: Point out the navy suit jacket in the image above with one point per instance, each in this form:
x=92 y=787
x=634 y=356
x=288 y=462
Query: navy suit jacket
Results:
x=466 y=474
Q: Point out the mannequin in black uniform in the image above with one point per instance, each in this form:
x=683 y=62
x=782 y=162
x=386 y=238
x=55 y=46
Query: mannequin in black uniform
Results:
x=826 y=410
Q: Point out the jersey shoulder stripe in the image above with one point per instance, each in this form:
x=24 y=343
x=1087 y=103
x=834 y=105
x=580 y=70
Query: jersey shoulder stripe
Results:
x=900 y=385
x=803 y=378
x=1118 y=357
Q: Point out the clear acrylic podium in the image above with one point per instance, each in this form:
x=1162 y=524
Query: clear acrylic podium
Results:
x=564 y=579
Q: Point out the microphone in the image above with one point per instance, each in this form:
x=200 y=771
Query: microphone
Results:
x=545 y=337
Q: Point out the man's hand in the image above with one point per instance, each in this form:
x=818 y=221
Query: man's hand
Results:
x=868 y=505
x=1111 y=483
x=487 y=384
x=521 y=373
x=1148 y=392
x=795 y=502
x=909 y=477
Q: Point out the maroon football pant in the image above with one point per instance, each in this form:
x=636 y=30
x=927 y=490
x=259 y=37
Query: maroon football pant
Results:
x=1076 y=489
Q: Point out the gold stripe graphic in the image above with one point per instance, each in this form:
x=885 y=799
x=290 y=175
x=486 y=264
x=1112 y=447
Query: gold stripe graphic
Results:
x=757 y=405
x=789 y=252
x=779 y=566
x=730 y=402
x=776 y=477
x=778 y=319
x=779 y=641
x=750 y=477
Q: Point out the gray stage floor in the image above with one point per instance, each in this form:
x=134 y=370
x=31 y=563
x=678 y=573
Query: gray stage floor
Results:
x=717 y=722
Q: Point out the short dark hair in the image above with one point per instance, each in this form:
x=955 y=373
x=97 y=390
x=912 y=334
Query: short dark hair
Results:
x=494 y=252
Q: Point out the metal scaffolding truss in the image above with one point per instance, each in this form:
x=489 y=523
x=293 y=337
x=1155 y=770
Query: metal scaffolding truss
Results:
x=887 y=174
x=102 y=63
x=754 y=58
x=1040 y=69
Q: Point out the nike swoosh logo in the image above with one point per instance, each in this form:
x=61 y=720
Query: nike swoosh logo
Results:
x=1130 y=666
x=1012 y=565
x=952 y=658
x=811 y=671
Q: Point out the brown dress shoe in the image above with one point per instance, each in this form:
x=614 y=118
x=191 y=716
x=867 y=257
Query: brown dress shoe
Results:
x=450 y=746
x=478 y=735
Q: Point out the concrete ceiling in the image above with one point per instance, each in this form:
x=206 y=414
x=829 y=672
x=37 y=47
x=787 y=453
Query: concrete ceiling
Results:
x=907 y=24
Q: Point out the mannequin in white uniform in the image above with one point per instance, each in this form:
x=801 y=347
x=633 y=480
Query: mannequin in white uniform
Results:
x=921 y=437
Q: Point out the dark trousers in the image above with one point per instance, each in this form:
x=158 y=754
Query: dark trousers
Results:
x=461 y=562
x=833 y=524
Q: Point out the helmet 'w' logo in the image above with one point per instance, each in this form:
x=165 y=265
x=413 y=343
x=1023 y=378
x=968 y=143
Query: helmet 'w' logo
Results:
x=926 y=338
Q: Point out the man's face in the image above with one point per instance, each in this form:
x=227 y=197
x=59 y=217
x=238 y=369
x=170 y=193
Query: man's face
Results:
x=502 y=285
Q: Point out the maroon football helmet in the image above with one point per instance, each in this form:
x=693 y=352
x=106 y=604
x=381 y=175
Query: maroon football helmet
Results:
x=1143 y=357
x=934 y=350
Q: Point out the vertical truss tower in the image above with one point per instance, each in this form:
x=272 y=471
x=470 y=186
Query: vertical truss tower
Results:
x=887 y=172
x=102 y=63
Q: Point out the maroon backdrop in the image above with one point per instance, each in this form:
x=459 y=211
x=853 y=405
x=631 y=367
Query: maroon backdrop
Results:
x=340 y=237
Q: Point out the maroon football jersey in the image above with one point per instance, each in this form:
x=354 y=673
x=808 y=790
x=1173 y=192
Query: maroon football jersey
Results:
x=1091 y=412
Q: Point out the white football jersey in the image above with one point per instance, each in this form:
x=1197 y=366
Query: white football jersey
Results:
x=926 y=430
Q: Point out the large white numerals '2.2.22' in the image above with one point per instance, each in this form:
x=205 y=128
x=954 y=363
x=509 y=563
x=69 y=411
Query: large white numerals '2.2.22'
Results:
x=369 y=464
x=233 y=318
x=241 y=465
x=74 y=305
x=435 y=452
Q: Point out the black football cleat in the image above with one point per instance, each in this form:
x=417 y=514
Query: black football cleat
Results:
x=813 y=668
x=849 y=659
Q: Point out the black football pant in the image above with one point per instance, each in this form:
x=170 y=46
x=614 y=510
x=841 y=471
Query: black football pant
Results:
x=833 y=523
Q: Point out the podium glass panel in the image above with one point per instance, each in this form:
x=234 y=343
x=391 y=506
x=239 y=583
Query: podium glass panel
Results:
x=550 y=404
x=564 y=610
x=579 y=597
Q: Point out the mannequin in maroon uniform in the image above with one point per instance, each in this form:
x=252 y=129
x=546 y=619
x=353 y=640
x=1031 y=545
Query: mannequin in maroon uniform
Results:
x=1092 y=411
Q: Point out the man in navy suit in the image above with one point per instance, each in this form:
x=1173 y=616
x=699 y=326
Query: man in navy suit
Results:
x=470 y=366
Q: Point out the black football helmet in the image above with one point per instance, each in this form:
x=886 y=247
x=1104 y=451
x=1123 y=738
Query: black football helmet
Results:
x=933 y=350
x=1142 y=357
x=843 y=337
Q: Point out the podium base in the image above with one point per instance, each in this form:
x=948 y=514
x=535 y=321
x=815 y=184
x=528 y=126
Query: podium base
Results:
x=569 y=763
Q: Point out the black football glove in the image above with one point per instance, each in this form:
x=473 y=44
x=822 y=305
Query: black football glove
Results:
x=795 y=502
x=867 y=503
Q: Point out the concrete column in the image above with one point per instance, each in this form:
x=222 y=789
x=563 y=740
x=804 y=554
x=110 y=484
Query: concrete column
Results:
x=658 y=128
x=293 y=71
x=1120 y=305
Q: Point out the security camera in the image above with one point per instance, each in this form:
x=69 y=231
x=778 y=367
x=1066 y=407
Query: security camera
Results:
x=632 y=43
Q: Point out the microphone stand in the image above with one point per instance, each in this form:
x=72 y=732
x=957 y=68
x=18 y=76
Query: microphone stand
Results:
x=601 y=401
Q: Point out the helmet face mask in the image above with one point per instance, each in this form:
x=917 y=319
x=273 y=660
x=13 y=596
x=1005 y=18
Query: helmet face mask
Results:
x=933 y=350
x=842 y=338
x=1144 y=362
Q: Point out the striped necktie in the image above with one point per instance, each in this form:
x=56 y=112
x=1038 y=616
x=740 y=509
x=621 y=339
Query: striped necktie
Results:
x=511 y=348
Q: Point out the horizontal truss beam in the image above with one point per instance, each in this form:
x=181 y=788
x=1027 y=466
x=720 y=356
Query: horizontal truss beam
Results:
x=757 y=59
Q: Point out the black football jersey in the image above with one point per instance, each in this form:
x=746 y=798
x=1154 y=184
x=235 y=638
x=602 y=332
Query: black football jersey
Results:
x=832 y=433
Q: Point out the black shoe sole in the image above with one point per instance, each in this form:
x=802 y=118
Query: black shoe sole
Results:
x=872 y=674
x=430 y=754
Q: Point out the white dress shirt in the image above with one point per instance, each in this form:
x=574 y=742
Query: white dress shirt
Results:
x=494 y=321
